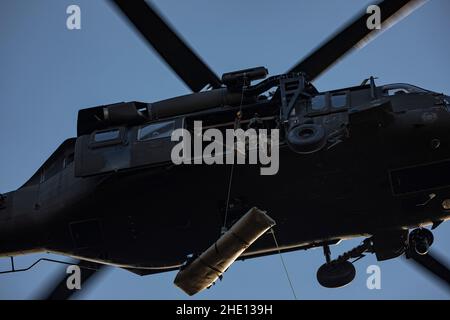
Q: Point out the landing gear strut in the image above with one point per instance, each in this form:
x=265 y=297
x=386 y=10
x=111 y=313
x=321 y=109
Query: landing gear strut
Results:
x=388 y=245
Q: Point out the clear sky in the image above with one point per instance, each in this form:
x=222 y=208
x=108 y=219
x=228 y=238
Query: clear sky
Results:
x=47 y=73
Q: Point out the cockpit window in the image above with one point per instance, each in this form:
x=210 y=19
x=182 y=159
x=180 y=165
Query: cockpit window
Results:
x=156 y=130
x=401 y=88
x=106 y=135
x=318 y=102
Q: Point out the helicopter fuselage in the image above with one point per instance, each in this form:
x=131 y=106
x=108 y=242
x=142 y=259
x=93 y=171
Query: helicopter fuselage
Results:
x=385 y=165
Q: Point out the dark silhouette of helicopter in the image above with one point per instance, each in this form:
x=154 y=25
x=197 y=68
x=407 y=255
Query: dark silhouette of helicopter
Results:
x=368 y=160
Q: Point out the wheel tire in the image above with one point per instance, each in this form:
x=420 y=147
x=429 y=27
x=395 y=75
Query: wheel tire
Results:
x=421 y=240
x=306 y=138
x=336 y=275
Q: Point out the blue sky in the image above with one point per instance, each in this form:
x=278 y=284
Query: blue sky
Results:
x=48 y=73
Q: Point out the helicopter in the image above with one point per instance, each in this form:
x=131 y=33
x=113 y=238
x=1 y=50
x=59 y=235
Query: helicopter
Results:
x=339 y=149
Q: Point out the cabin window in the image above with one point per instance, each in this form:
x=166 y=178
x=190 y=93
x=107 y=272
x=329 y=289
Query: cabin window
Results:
x=107 y=137
x=51 y=169
x=103 y=136
x=156 y=131
x=68 y=160
x=339 y=100
x=318 y=102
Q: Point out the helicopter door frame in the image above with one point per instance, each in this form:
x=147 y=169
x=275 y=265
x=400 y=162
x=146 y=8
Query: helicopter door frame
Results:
x=102 y=151
x=125 y=148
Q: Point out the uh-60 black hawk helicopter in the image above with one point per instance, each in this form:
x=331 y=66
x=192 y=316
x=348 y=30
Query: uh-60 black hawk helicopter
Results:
x=368 y=160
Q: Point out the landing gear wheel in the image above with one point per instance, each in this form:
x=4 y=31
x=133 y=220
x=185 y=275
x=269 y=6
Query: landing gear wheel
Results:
x=420 y=240
x=336 y=274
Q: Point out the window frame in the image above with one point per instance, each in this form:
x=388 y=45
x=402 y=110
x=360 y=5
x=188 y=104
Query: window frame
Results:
x=342 y=93
x=329 y=108
x=138 y=132
x=98 y=144
x=68 y=159
x=326 y=103
x=409 y=88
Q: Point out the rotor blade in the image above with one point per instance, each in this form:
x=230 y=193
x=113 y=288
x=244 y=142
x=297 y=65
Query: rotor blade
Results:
x=433 y=265
x=354 y=34
x=182 y=59
x=88 y=270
